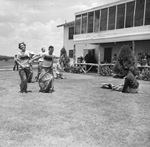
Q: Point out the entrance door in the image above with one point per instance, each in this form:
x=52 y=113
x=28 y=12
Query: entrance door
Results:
x=107 y=55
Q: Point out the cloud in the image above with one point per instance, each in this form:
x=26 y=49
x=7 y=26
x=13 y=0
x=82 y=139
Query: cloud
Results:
x=34 y=35
x=79 y=7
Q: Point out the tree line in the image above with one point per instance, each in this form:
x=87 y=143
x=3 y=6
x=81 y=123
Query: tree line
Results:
x=5 y=58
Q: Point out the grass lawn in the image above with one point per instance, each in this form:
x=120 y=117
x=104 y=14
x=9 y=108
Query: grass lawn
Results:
x=78 y=114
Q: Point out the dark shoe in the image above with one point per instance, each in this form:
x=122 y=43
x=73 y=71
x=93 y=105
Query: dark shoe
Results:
x=109 y=86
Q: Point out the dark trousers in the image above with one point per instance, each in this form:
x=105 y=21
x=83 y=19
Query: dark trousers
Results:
x=25 y=76
x=15 y=65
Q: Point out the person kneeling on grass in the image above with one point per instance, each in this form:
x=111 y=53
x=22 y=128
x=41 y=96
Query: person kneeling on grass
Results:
x=130 y=84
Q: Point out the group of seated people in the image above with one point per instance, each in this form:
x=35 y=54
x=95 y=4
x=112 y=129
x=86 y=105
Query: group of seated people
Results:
x=143 y=59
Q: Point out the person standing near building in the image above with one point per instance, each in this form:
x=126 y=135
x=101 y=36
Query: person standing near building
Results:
x=114 y=59
x=40 y=61
x=22 y=59
x=59 y=69
x=15 y=64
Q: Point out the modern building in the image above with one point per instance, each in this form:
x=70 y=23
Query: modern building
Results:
x=105 y=29
x=68 y=38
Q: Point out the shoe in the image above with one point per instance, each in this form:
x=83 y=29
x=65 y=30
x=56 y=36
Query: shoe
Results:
x=109 y=86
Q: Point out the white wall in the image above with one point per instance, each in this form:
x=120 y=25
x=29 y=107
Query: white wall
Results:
x=81 y=47
x=68 y=44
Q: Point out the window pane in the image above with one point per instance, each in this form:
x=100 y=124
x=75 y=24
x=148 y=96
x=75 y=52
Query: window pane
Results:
x=139 y=12
x=84 y=23
x=71 y=32
x=147 y=14
x=96 y=27
x=103 y=22
x=70 y=53
x=90 y=22
x=120 y=16
x=77 y=24
x=112 y=12
x=129 y=14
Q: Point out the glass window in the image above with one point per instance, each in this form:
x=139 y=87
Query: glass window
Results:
x=96 y=27
x=129 y=14
x=147 y=13
x=71 y=32
x=78 y=24
x=90 y=22
x=70 y=53
x=112 y=13
x=120 y=16
x=103 y=22
x=139 y=13
x=84 y=23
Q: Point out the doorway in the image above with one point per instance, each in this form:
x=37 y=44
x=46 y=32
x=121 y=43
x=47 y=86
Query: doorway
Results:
x=107 y=55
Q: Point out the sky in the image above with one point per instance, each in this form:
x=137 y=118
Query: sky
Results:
x=35 y=22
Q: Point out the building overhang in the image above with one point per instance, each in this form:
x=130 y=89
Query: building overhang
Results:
x=67 y=24
x=118 y=2
x=119 y=35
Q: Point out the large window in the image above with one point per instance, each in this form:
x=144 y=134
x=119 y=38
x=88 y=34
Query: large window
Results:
x=120 y=16
x=103 y=22
x=139 y=13
x=77 y=24
x=84 y=23
x=71 y=32
x=129 y=14
x=96 y=26
x=147 y=13
x=90 y=22
x=70 y=53
x=112 y=14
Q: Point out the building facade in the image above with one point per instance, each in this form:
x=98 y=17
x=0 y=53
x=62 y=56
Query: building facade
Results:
x=110 y=26
x=105 y=29
x=68 y=39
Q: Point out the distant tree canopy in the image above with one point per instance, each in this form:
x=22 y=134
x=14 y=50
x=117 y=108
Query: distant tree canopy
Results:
x=63 y=52
x=125 y=60
x=5 y=58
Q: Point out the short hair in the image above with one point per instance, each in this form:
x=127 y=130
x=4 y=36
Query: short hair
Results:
x=21 y=44
x=51 y=47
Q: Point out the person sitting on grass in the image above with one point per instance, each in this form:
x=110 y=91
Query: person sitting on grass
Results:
x=130 y=84
x=126 y=66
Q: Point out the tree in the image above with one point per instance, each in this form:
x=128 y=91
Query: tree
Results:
x=63 y=52
x=125 y=60
x=64 y=59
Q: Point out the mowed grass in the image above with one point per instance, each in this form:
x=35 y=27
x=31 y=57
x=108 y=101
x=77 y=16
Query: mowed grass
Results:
x=6 y=64
x=78 y=114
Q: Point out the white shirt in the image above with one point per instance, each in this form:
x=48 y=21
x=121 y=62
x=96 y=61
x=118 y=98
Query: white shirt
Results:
x=24 y=57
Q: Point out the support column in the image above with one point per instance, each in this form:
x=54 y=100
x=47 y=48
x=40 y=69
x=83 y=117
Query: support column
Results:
x=99 y=59
x=74 y=55
x=133 y=46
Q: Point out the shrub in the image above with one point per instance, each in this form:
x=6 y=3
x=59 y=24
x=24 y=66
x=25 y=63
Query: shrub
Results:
x=125 y=60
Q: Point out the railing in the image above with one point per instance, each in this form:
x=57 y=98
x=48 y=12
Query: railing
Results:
x=107 y=70
x=83 y=66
